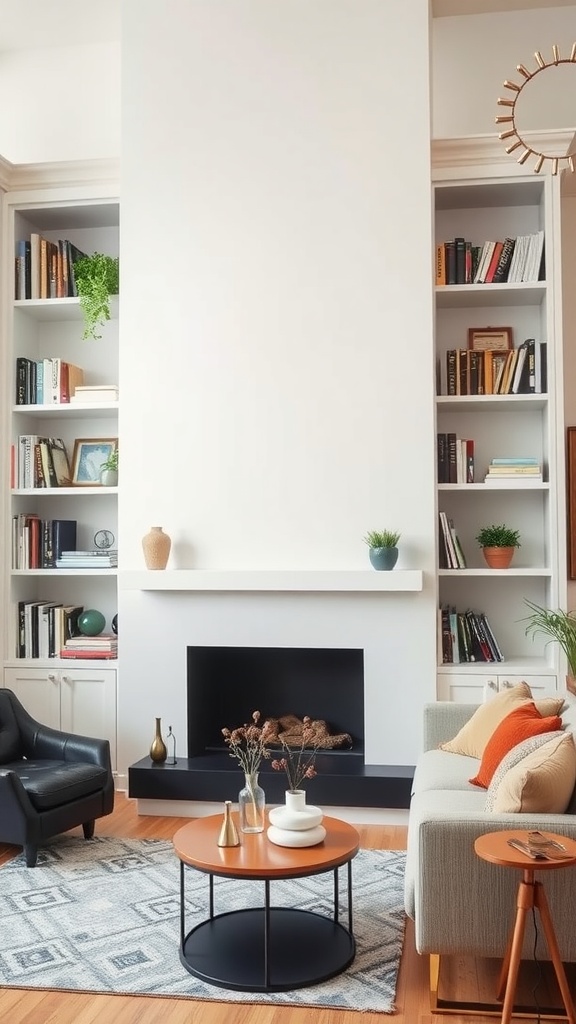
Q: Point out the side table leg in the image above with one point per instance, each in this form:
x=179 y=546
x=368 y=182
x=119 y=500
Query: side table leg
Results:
x=542 y=903
x=524 y=903
x=336 y=896
x=182 y=907
x=267 y=934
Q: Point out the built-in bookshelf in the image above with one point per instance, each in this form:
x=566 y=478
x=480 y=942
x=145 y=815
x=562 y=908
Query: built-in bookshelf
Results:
x=494 y=414
x=52 y=497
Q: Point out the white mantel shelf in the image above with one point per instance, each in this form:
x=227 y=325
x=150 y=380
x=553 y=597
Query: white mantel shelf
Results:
x=335 y=580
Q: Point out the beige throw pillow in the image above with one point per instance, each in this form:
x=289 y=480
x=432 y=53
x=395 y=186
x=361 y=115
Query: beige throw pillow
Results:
x=542 y=783
x=473 y=737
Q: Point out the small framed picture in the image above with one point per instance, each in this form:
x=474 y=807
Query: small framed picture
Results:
x=90 y=453
x=499 y=339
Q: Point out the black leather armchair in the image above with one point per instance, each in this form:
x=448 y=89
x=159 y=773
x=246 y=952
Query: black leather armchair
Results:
x=50 y=781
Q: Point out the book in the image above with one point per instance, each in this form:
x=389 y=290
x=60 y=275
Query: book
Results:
x=95 y=393
x=70 y=377
x=501 y=272
x=460 y=248
x=60 y=462
x=440 y=264
x=57 y=534
x=87 y=653
x=494 y=259
x=450 y=256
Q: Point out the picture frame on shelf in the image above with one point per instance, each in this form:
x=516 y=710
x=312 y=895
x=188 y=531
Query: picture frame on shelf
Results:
x=571 y=500
x=88 y=457
x=498 y=339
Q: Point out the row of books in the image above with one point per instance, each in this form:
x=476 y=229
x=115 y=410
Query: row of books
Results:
x=466 y=637
x=521 y=471
x=49 y=381
x=510 y=260
x=39 y=462
x=105 y=646
x=450 y=553
x=45 y=269
x=455 y=459
x=38 y=543
x=516 y=371
x=95 y=558
x=43 y=627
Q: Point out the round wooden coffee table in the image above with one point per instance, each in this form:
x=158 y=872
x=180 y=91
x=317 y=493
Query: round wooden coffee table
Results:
x=494 y=847
x=265 y=949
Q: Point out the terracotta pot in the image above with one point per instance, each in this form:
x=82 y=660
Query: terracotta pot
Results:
x=498 y=558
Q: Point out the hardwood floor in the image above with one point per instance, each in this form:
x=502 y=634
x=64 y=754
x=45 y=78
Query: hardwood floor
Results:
x=21 y=1006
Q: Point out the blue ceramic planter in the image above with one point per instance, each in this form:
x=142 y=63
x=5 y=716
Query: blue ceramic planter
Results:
x=383 y=558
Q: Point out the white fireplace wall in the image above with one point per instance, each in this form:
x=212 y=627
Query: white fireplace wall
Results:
x=276 y=367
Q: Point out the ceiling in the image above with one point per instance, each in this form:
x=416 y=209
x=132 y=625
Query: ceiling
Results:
x=27 y=24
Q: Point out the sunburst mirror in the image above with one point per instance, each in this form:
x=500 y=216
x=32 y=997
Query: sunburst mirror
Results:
x=558 y=161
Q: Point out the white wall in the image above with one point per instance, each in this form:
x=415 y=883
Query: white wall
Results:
x=474 y=54
x=277 y=326
x=60 y=103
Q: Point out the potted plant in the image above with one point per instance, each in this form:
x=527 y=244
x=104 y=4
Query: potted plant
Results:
x=383 y=548
x=498 y=544
x=96 y=278
x=560 y=627
x=109 y=470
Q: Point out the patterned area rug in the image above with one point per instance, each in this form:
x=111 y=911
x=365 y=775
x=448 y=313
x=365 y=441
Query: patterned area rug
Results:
x=103 y=916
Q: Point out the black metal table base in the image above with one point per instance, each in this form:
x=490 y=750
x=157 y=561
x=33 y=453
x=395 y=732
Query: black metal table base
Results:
x=267 y=949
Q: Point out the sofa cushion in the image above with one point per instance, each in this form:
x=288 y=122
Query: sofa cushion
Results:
x=474 y=735
x=542 y=782
x=513 y=757
x=438 y=770
x=525 y=721
x=53 y=783
x=10 y=741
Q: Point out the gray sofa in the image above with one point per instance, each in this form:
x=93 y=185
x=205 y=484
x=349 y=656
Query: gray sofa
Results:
x=458 y=902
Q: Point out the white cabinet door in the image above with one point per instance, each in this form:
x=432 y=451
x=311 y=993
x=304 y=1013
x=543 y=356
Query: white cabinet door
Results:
x=476 y=689
x=88 y=704
x=82 y=701
x=38 y=690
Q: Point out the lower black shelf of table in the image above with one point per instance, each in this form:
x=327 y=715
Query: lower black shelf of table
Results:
x=304 y=949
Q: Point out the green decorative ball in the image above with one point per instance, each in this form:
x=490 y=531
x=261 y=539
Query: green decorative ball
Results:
x=91 y=622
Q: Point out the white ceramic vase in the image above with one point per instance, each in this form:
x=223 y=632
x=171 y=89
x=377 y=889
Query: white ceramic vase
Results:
x=296 y=823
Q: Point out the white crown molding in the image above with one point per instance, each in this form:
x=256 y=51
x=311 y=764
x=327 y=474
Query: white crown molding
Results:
x=67 y=173
x=484 y=150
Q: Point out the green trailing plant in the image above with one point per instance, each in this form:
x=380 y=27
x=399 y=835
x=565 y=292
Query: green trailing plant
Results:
x=111 y=462
x=498 y=537
x=97 y=277
x=382 y=538
x=558 y=626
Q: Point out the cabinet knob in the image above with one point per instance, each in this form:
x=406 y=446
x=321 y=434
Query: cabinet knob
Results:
x=506 y=684
x=66 y=679
x=492 y=684
x=52 y=677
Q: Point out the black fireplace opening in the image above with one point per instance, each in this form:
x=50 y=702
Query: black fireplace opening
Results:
x=225 y=685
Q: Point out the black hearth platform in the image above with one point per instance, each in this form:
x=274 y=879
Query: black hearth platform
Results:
x=343 y=780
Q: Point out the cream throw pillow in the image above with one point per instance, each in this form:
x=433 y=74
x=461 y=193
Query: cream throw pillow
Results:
x=518 y=753
x=473 y=737
x=542 y=783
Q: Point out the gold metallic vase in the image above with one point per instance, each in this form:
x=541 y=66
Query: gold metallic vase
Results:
x=158 y=751
x=228 y=834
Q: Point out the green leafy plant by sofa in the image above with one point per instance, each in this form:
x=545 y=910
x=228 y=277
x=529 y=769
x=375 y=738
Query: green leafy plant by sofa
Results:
x=559 y=626
x=97 y=277
x=498 y=537
x=382 y=538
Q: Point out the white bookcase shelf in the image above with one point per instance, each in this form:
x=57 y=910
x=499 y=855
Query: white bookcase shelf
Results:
x=481 y=204
x=270 y=580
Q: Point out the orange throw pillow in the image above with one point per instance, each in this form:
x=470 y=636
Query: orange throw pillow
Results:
x=519 y=725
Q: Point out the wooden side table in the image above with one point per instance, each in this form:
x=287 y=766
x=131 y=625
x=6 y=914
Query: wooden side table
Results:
x=493 y=847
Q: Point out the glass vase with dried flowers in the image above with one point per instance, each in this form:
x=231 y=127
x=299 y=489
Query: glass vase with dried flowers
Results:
x=247 y=744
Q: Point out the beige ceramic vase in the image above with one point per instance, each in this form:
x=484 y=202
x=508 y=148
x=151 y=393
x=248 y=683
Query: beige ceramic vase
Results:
x=156 y=547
